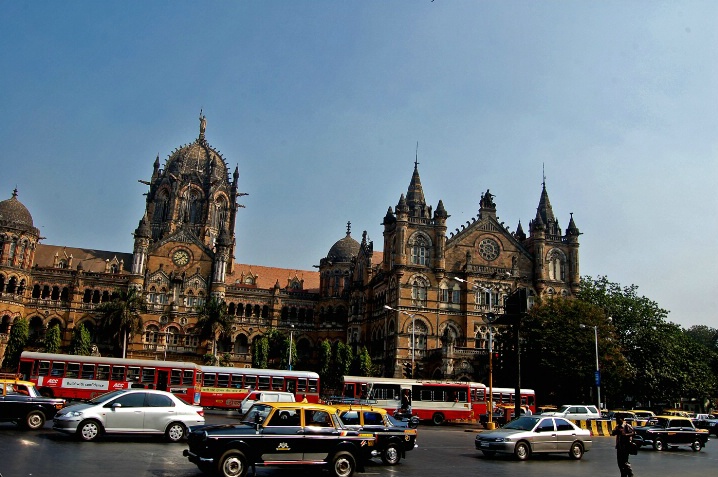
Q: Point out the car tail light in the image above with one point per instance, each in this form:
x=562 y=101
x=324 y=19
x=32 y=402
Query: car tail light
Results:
x=200 y=412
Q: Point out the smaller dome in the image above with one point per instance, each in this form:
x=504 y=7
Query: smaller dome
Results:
x=12 y=210
x=345 y=249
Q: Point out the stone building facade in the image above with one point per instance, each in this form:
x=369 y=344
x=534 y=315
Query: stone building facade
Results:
x=424 y=299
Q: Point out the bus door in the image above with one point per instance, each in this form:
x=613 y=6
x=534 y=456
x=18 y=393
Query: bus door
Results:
x=349 y=390
x=291 y=385
x=162 y=378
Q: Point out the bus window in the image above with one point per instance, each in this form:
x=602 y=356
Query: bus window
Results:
x=88 y=371
x=103 y=371
x=175 y=377
x=223 y=380
x=313 y=386
x=118 y=373
x=301 y=385
x=43 y=368
x=209 y=379
x=385 y=391
x=58 y=368
x=263 y=383
x=250 y=381
x=133 y=373
x=73 y=370
x=188 y=378
x=235 y=381
x=148 y=375
x=349 y=391
x=277 y=383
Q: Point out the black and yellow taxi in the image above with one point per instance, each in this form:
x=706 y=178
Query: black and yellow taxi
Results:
x=279 y=434
x=393 y=439
x=20 y=402
x=663 y=432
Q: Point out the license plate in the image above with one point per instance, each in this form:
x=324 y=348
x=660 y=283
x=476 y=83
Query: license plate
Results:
x=483 y=444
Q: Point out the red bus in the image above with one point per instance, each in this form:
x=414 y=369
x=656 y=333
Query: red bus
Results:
x=430 y=400
x=224 y=387
x=506 y=396
x=84 y=377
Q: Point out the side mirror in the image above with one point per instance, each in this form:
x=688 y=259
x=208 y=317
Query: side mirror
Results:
x=115 y=405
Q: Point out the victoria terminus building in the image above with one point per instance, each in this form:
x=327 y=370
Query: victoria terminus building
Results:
x=426 y=295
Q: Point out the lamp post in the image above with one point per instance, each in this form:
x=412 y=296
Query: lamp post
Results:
x=413 y=337
x=490 y=317
x=291 y=336
x=598 y=371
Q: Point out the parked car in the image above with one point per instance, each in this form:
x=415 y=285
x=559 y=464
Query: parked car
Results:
x=393 y=439
x=263 y=396
x=536 y=434
x=662 y=432
x=628 y=416
x=21 y=403
x=576 y=412
x=130 y=411
x=280 y=434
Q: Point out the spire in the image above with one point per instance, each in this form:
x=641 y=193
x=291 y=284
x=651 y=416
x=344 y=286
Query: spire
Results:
x=572 y=229
x=415 y=195
x=544 y=209
x=520 y=234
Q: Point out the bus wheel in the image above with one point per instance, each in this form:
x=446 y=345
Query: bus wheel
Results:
x=437 y=419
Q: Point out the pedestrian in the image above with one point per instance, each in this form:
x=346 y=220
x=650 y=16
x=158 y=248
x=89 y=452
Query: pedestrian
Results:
x=624 y=440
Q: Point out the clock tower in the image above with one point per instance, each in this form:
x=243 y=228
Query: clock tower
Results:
x=184 y=244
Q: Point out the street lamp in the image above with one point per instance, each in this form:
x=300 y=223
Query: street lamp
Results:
x=413 y=338
x=598 y=371
x=291 y=336
x=490 y=317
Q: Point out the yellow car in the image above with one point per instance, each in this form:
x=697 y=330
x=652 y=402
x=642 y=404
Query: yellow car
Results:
x=21 y=403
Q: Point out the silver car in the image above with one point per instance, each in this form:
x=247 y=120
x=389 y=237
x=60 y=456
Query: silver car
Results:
x=535 y=434
x=130 y=411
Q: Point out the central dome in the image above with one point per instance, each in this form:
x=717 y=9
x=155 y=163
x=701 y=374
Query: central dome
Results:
x=198 y=159
x=345 y=249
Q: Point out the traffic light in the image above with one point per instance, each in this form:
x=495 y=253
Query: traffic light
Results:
x=408 y=371
x=491 y=317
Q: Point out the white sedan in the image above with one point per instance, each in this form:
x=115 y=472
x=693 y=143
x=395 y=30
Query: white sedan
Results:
x=130 y=411
x=533 y=435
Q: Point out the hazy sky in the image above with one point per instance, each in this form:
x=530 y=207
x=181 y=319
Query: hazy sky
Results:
x=321 y=104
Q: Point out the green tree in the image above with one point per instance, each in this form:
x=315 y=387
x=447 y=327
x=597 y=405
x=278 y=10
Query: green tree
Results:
x=226 y=360
x=53 y=339
x=121 y=317
x=341 y=363
x=81 y=342
x=558 y=354
x=19 y=334
x=325 y=362
x=363 y=365
x=213 y=320
x=286 y=342
x=260 y=352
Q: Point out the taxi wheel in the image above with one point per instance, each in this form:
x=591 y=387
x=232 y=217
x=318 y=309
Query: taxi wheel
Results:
x=391 y=455
x=232 y=464
x=89 y=430
x=522 y=451
x=175 y=432
x=576 y=451
x=658 y=445
x=697 y=445
x=343 y=464
x=34 y=420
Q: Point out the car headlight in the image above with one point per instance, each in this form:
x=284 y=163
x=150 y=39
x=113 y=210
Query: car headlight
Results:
x=503 y=439
x=74 y=414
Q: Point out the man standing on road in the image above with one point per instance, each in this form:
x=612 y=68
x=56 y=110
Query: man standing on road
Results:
x=624 y=435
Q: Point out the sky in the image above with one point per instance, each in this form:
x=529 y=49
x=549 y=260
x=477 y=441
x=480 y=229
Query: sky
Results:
x=321 y=105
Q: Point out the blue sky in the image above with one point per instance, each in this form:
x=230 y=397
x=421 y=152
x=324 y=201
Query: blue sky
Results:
x=321 y=105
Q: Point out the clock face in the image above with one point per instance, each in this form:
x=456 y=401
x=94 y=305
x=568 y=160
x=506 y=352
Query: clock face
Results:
x=489 y=249
x=180 y=258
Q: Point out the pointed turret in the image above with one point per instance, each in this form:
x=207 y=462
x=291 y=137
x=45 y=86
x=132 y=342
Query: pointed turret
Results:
x=572 y=229
x=520 y=234
x=415 y=195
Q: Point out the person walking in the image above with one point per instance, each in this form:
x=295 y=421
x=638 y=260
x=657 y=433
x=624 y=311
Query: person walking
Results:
x=624 y=436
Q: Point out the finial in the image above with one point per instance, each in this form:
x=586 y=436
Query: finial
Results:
x=349 y=228
x=202 y=123
x=416 y=160
x=14 y=192
x=543 y=173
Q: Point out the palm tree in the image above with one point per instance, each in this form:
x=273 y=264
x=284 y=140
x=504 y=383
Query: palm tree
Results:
x=121 y=317
x=213 y=319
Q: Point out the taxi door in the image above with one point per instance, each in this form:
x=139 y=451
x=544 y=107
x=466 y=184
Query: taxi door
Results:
x=318 y=425
x=282 y=437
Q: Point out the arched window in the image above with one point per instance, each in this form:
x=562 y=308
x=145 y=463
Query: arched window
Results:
x=419 y=251
x=195 y=207
x=151 y=334
x=172 y=336
x=35 y=289
x=241 y=344
x=556 y=265
x=162 y=205
x=418 y=330
x=418 y=291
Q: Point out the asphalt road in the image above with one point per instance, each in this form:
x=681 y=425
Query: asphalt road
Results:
x=445 y=451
